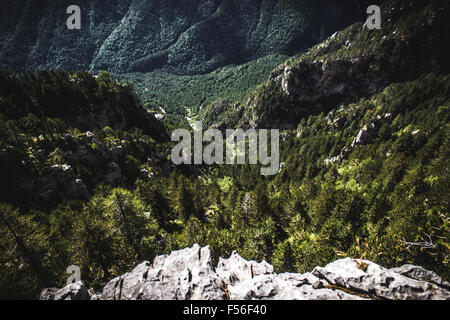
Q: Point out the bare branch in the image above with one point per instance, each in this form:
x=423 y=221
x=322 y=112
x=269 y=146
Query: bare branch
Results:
x=422 y=244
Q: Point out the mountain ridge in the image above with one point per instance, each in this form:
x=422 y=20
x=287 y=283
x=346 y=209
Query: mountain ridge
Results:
x=352 y=64
x=187 y=37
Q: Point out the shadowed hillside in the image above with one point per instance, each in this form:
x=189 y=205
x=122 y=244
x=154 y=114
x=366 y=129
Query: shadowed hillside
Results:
x=179 y=36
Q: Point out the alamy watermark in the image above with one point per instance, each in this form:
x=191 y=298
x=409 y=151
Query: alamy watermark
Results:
x=235 y=145
x=374 y=19
x=75 y=274
x=74 y=20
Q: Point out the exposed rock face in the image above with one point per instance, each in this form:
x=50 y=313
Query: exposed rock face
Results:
x=371 y=279
x=421 y=274
x=67 y=164
x=184 y=37
x=114 y=173
x=60 y=182
x=183 y=275
x=188 y=275
x=74 y=291
x=352 y=64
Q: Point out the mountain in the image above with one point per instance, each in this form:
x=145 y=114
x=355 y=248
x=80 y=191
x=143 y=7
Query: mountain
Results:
x=188 y=275
x=62 y=134
x=352 y=64
x=179 y=36
x=364 y=155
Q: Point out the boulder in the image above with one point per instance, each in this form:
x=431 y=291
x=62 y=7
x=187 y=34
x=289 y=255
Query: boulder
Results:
x=74 y=291
x=421 y=274
x=183 y=275
x=368 y=278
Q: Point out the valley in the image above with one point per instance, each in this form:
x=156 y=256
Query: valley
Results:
x=87 y=173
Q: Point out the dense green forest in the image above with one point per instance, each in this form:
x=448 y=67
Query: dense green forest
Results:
x=353 y=63
x=176 y=94
x=379 y=192
x=87 y=180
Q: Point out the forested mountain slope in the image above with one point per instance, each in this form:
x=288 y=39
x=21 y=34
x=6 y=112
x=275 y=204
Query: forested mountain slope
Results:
x=180 y=36
x=364 y=168
x=62 y=134
x=352 y=64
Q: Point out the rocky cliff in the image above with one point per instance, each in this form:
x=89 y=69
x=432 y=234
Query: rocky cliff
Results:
x=62 y=134
x=183 y=37
x=189 y=275
x=352 y=64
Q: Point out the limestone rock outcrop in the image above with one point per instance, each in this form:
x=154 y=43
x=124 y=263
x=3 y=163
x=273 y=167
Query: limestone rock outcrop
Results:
x=189 y=275
x=74 y=291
